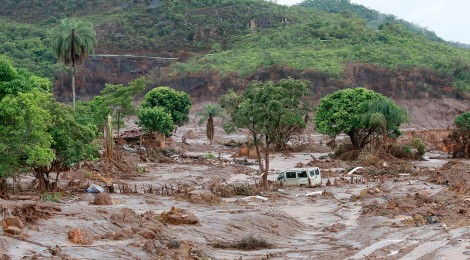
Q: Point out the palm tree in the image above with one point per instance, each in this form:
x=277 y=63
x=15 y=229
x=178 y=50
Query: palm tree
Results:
x=210 y=111
x=72 y=41
x=385 y=117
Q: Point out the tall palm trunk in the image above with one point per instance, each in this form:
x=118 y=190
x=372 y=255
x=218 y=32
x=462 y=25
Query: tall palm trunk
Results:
x=73 y=69
x=210 y=129
x=73 y=86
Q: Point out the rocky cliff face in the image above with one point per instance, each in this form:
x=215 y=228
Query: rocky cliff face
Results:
x=395 y=83
x=425 y=95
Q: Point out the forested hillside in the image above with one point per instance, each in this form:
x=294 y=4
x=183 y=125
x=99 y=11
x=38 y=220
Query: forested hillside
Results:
x=224 y=43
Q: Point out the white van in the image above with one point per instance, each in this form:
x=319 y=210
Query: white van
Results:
x=304 y=177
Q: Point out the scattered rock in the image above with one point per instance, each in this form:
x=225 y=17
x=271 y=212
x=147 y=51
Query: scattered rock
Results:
x=175 y=244
x=335 y=227
x=12 y=221
x=203 y=197
x=392 y=205
x=120 y=234
x=80 y=237
x=12 y=231
x=103 y=199
x=153 y=246
x=125 y=215
x=177 y=216
x=147 y=233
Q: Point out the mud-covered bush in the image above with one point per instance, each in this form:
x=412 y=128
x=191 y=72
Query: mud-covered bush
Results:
x=249 y=242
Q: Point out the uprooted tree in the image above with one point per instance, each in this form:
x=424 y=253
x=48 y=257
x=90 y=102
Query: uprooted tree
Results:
x=361 y=114
x=269 y=111
x=459 y=138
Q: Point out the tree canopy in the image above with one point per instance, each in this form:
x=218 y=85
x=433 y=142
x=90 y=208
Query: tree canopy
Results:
x=37 y=131
x=176 y=103
x=156 y=120
x=71 y=43
x=358 y=113
x=273 y=110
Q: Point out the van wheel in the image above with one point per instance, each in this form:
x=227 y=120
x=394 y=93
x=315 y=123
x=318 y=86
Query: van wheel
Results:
x=303 y=185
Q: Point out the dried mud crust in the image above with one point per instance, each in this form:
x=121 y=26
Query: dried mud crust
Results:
x=293 y=224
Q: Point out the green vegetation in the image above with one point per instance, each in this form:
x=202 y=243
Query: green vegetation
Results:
x=51 y=196
x=72 y=41
x=241 y=36
x=374 y=18
x=210 y=111
x=459 y=138
x=162 y=110
x=272 y=110
x=176 y=103
x=359 y=113
x=27 y=46
x=155 y=120
x=117 y=101
x=37 y=132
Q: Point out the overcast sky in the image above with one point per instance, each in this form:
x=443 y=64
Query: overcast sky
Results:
x=449 y=19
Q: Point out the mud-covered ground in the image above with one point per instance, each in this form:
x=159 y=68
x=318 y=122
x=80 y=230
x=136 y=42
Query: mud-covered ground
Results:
x=419 y=213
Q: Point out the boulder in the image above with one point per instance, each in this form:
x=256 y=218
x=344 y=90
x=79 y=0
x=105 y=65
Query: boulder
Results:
x=12 y=221
x=177 y=216
x=80 y=237
x=103 y=199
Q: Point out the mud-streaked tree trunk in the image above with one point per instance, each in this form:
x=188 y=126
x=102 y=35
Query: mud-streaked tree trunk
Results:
x=266 y=164
x=161 y=138
x=258 y=151
x=210 y=129
x=108 y=136
x=43 y=183
x=118 y=145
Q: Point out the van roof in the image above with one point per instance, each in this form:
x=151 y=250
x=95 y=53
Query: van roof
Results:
x=301 y=169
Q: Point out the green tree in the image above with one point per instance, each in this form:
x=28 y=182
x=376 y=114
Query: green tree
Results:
x=270 y=110
x=462 y=134
x=24 y=138
x=207 y=115
x=71 y=43
x=37 y=132
x=117 y=101
x=384 y=118
x=156 y=121
x=72 y=143
x=343 y=112
x=176 y=103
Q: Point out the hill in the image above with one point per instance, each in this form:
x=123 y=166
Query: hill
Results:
x=223 y=44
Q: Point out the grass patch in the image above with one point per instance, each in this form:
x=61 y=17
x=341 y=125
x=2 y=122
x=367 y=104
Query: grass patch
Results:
x=51 y=196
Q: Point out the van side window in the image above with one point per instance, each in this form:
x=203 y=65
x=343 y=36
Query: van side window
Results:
x=317 y=172
x=303 y=174
x=290 y=175
x=312 y=173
